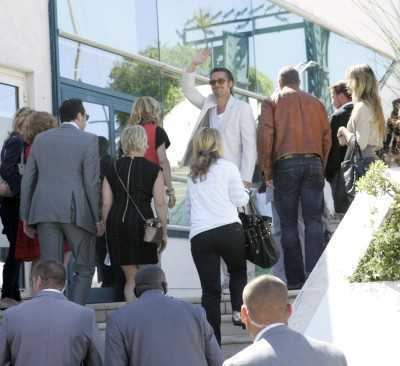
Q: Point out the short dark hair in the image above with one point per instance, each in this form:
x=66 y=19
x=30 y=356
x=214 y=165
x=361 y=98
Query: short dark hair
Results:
x=70 y=108
x=227 y=72
x=340 y=87
x=51 y=272
x=104 y=144
x=288 y=75
x=150 y=277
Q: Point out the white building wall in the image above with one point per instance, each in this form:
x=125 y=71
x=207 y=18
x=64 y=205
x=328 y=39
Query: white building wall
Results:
x=25 y=47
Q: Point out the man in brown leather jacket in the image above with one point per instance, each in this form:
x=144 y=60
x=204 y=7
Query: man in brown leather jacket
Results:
x=294 y=140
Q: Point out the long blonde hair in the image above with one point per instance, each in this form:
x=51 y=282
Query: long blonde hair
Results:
x=364 y=87
x=207 y=149
x=145 y=109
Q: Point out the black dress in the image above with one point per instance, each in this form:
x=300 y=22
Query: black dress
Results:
x=125 y=228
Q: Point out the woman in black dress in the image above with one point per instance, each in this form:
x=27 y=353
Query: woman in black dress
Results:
x=124 y=227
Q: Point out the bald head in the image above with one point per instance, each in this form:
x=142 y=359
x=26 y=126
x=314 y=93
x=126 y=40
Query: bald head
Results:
x=266 y=298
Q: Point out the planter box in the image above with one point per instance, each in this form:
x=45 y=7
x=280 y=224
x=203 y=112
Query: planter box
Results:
x=363 y=320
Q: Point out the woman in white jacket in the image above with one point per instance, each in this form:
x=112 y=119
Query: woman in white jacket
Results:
x=215 y=190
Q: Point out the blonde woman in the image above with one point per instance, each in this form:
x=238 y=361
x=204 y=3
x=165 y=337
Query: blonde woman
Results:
x=146 y=111
x=215 y=190
x=366 y=124
x=135 y=178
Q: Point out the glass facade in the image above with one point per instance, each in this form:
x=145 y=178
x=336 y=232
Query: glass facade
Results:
x=253 y=38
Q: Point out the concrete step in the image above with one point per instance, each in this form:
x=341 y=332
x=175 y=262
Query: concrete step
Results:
x=103 y=309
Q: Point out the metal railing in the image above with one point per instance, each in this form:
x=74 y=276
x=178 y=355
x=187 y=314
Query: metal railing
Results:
x=173 y=70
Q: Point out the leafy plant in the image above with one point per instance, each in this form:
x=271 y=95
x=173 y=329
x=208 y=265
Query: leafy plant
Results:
x=382 y=258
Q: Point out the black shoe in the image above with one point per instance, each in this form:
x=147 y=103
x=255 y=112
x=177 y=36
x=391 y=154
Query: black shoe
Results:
x=236 y=320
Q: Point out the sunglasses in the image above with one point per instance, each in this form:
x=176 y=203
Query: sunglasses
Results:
x=218 y=81
x=87 y=117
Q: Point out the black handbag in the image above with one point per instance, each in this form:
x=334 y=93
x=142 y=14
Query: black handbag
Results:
x=352 y=168
x=260 y=247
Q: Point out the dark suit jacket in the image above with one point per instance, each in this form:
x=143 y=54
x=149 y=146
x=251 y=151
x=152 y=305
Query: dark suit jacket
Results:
x=337 y=153
x=49 y=330
x=157 y=330
x=10 y=158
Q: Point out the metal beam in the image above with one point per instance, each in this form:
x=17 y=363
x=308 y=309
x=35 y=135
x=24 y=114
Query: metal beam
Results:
x=274 y=29
x=240 y=20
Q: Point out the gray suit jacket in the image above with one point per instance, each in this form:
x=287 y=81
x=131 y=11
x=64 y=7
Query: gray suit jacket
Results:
x=157 y=330
x=283 y=346
x=61 y=179
x=49 y=330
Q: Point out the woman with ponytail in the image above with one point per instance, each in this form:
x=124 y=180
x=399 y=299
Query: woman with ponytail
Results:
x=215 y=190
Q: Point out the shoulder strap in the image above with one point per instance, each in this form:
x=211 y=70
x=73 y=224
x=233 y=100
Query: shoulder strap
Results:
x=127 y=193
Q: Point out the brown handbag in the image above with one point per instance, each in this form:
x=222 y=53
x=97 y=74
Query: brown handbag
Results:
x=153 y=232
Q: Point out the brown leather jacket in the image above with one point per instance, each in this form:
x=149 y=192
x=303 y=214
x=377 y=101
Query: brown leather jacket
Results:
x=294 y=122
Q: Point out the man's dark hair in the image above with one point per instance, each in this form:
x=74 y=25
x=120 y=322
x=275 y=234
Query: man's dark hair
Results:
x=51 y=272
x=227 y=72
x=340 y=88
x=151 y=277
x=104 y=144
x=70 y=108
x=288 y=75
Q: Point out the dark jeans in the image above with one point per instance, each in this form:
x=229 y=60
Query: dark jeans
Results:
x=10 y=217
x=207 y=247
x=300 y=178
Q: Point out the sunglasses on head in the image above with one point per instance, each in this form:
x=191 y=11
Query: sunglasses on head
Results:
x=218 y=81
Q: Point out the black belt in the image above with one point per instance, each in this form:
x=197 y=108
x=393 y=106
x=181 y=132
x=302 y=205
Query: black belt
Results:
x=290 y=156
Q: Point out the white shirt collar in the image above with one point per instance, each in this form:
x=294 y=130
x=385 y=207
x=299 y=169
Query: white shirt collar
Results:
x=52 y=290
x=346 y=104
x=266 y=329
x=72 y=123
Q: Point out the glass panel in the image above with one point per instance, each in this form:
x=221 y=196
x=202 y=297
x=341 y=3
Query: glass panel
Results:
x=106 y=70
x=8 y=106
x=125 y=24
x=99 y=118
x=226 y=28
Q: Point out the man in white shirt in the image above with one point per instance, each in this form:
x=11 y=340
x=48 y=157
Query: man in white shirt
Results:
x=221 y=110
x=265 y=312
x=232 y=117
x=50 y=330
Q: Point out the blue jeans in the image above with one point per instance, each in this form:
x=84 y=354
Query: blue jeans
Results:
x=300 y=179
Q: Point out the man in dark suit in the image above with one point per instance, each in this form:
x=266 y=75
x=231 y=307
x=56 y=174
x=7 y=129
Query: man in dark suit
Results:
x=265 y=312
x=49 y=330
x=157 y=330
x=341 y=100
x=60 y=194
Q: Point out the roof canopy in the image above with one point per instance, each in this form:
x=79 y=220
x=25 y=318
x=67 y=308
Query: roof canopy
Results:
x=371 y=23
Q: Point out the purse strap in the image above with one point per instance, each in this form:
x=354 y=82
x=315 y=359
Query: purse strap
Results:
x=252 y=206
x=127 y=193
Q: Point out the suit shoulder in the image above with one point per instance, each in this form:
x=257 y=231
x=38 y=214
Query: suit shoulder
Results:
x=326 y=349
x=260 y=352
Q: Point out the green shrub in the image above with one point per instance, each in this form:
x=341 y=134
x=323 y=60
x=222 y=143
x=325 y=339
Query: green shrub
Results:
x=381 y=261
